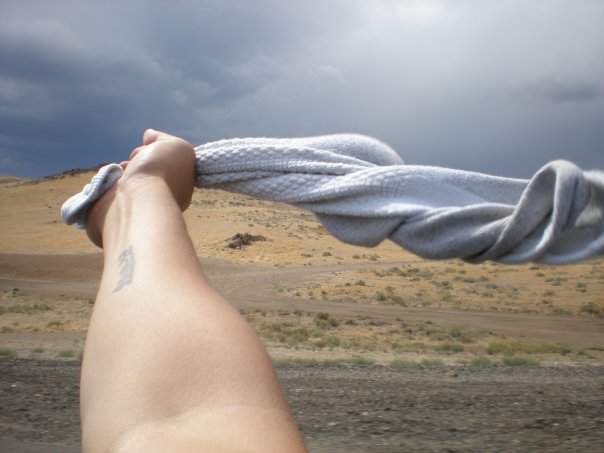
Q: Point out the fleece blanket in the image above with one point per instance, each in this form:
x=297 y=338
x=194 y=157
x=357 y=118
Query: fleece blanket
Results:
x=363 y=193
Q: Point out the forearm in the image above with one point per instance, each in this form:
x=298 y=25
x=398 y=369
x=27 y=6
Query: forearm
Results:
x=162 y=343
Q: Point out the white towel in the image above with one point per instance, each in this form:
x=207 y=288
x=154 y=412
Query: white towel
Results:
x=362 y=193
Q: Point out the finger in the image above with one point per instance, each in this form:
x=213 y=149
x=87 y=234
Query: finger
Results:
x=150 y=136
x=135 y=151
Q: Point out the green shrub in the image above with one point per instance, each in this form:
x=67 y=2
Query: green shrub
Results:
x=520 y=361
x=401 y=363
x=327 y=342
x=324 y=321
x=514 y=347
x=55 y=325
x=332 y=341
x=296 y=361
x=8 y=353
x=449 y=347
x=481 y=361
x=432 y=362
x=361 y=361
x=437 y=336
x=592 y=309
x=398 y=300
x=464 y=335
x=294 y=337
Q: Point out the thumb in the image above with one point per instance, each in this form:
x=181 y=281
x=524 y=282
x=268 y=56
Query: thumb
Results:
x=152 y=136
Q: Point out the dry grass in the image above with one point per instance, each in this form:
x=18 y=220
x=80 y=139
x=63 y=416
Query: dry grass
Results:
x=30 y=215
x=457 y=285
x=21 y=312
x=387 y=275
x=362 y=333
x=320 y=337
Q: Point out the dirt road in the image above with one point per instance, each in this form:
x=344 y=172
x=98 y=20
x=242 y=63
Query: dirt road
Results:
x=252 y=287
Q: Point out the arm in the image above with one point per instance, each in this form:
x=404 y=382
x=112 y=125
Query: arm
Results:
x=169 y=365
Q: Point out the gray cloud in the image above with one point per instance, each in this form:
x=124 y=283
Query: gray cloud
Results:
x=472 y=84
x=562 y=91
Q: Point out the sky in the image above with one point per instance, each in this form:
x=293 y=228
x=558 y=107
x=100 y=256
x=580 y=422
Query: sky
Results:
x=495 y=86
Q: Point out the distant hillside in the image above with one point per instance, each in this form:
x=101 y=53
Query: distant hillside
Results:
x=7 y=180
x=245 y=230
x=30 y=222
x=70 y=172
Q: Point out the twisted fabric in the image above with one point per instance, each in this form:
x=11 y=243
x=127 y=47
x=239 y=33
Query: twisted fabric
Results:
x=361 y=191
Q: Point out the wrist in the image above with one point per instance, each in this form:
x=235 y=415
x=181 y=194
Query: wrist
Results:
x=111 y=213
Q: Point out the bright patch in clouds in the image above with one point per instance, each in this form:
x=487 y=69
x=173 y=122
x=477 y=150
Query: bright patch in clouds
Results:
x=424 y=11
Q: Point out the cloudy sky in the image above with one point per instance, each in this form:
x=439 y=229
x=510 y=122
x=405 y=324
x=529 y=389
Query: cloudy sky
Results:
x=498 y=86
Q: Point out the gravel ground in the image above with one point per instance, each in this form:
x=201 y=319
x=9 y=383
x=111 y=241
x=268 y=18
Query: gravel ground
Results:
x=359 y=409
x=425 y=409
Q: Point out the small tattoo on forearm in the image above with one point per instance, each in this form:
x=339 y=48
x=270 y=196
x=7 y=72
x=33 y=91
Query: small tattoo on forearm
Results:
x=126 y=263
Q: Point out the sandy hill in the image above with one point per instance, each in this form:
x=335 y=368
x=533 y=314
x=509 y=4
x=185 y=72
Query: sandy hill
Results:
x=292 y=238
x=30 y=223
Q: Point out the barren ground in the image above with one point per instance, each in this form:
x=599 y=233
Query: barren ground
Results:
x=377 y=348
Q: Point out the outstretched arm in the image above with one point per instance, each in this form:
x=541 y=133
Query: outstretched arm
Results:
x=169 y=365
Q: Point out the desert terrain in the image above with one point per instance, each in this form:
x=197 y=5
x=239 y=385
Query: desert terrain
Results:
x=377 y=348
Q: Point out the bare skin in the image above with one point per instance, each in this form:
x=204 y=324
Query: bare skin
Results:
x=169 y=364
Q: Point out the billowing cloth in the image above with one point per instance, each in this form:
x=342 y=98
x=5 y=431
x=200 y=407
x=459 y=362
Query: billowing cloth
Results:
x=362 y=192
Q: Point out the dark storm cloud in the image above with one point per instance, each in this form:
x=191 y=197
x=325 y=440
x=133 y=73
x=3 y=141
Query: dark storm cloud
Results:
x=561 y=91
x=82 y=83
x=472 y=84
x=57 y=87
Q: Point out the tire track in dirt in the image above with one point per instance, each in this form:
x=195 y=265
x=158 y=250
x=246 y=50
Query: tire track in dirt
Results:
x=250 y=286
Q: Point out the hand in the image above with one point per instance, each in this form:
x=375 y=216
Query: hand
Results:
x=162 y=156
x=167 y=157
